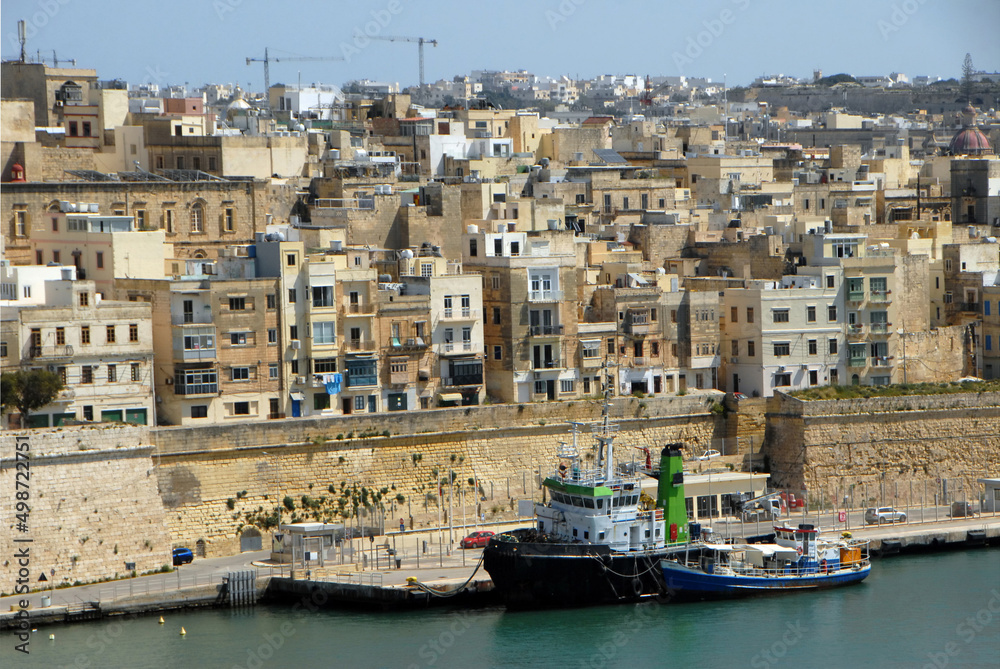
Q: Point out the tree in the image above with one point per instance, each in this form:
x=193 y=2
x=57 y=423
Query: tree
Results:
x=28 y=390
x=968 y=69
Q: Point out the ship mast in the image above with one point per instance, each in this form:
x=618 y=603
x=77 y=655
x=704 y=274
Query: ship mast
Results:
x=605 y=433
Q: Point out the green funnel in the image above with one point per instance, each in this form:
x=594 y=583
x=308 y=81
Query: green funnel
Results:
x=670 y=493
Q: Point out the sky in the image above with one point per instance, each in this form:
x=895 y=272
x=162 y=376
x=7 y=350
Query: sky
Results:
x=208 y=41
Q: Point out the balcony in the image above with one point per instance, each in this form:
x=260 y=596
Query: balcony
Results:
x=545 y=330
x=51 y=352
x=196 y=389
x=856 y=296
x=460 y=315
x=201 y=317
x=358 y=345
x=880 y=328
x=410 y=344
x=859 y=363
x=545 y=296
x=463 y=380
x=399 y=378
x=590 y=362
x=880 y=297
x=456 y=347
x=360 y=310
x=640 y=327
x=642 y=361
x=540 y=365
x=974 y=307
x=367 y=378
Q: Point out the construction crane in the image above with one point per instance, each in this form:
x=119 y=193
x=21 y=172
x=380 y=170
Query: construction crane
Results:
x=420 y=47
x=267 y=70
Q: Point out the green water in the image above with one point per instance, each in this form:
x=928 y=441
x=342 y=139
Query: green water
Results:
x=935 y=611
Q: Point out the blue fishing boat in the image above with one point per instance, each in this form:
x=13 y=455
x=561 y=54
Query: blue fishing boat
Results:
x=799 y=559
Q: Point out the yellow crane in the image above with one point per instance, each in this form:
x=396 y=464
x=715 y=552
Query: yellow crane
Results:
x=420 y=47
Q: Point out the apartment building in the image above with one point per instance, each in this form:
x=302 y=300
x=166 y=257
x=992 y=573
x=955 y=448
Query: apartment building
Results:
x=101 y=348
x=530 y=311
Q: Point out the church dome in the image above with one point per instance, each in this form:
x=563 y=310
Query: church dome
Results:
x=969 y=141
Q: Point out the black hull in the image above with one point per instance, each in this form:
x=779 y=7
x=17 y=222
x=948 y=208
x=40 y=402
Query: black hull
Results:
x=538 y=574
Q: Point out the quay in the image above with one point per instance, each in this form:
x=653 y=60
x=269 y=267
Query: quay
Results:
x=441 y=581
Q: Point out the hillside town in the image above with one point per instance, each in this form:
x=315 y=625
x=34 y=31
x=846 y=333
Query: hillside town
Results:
x=185 y=256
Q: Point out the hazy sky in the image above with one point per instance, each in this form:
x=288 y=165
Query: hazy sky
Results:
x=201 y=41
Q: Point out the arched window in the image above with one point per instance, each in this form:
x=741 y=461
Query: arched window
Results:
x=855 y=380
x=197 y=218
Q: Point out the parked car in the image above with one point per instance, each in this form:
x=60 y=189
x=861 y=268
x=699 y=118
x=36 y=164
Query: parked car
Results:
x=708 y=455
x=884 y=514
x=183 y=556
x=476 y=539
x=962 y=510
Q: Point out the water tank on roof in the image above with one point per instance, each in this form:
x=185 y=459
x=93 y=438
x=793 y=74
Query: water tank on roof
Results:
x=472 y=229
x=384 y=278
x=406 y=253
x=336 y=245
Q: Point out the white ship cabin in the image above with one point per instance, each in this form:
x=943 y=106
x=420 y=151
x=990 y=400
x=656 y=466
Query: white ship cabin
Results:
x=585 y=511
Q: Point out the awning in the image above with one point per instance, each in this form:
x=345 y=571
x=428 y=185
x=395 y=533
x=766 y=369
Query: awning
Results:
x=297 y=397
x=450 y=397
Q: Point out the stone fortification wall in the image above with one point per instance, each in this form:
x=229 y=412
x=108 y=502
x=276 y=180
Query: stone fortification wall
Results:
x=93 y=500
x=886 y=443
x=502 y=448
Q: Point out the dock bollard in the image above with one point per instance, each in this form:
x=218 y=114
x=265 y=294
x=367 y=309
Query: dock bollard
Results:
x=425 y=547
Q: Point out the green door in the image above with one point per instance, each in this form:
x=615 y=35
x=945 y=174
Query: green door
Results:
x=111 y=416
x=60 y=419
x=397 y=401
x=135 y=416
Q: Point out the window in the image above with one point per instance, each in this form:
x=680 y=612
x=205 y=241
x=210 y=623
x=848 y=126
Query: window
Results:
x=811 y=314
x=230 y=219
x=495 y=281
x=272 y=301
x=195 y=341
x=779 y=315
x=611 y=346
x=294 y=365
x=237 y=303
x=832 y=346
x=237 y=338
x=291 y=296
x=625 y=202
x=426 y=269
x=74 y=129
x=813 y=347
x=199 y=411
x=986 y=308
x=56 y=256
x=136 y=372
x=272 y=336
x=359 y=403
x=239 y=373
x=3 y=349
x=989 y=342
x=567 y=385
x=324 y=365
x=168 y=220
x=322 y=296
x=496 y=315
x=60 y=336
x=540 y=388
x=655 y=349
x=515 y=249
x=100 y=260
x=85 y=334
x=290 y=259
x=133 y=332
x=197 y=216
x=323 y=333
x=749 y=314
x=86 y=129
x=110 y=334
x=673 y=315
x=272 y=371
x=784 y=379
x=750 y=348
x=782 y=349
x=112 y=373
x=84 y=299
x=830 y=281
x=734 y=314
x=831 y=313
x=734 y=347
x=473 y=247
x=241 y=408
x=498 y=352
x=321 y=401
x=86 y=374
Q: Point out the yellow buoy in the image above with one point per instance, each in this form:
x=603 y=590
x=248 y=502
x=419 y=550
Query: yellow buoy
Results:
x=161 y=620
x=183 y=631
x=52 y=637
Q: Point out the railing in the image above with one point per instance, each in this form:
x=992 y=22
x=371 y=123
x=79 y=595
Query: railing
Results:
x=201 y=317
x=856 y=296
x=453 y=346
x=545 y=330
x=880 y=328
x=460 y=314
x=360 y=309
x=545 y=296
x=353 y=345
x=194 y=354
x=881 y=297
x=463 y=380
x=355 y=380
x=857 y=362
x=974 y=307
x=345 y=203
x=53 y=351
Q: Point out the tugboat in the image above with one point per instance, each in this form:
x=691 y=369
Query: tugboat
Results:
x=595 y=541
x=797 y=560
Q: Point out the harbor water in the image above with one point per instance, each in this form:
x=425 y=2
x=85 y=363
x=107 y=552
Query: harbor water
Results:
x=937 y=610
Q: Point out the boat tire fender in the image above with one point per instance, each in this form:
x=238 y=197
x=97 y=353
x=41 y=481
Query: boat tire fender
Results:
x=637 y=587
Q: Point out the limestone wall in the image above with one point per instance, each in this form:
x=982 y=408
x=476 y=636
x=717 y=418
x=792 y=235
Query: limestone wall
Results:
x=884 y=443
x=94 y=504
x=501 y=447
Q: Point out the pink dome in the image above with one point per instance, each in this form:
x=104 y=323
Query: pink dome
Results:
x=969 y=142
